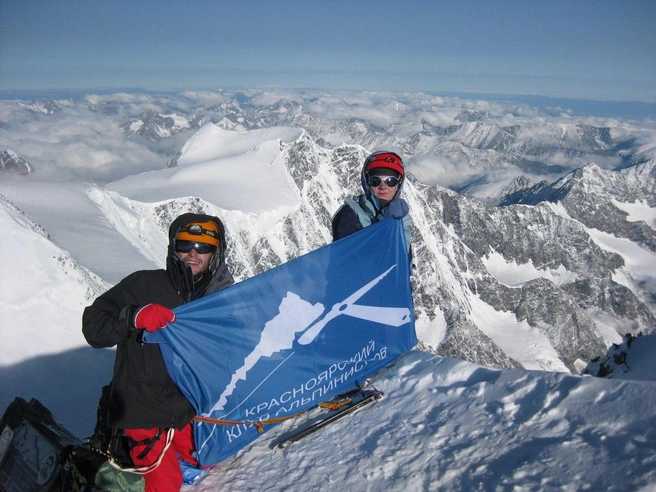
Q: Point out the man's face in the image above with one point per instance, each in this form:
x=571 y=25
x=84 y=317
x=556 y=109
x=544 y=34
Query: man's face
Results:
x=196 y=261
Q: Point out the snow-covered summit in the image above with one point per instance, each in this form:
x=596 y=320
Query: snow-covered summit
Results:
x=528 y=285
x=450 y=425
x=241 y=171
x=276 y=190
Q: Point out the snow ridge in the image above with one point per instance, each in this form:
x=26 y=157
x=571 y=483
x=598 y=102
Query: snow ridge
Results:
x=581 y=297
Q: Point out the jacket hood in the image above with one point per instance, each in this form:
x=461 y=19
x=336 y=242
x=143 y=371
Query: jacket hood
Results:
x=181 y=275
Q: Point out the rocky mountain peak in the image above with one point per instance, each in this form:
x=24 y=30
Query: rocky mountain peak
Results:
x=466 y=304
x=11 y=162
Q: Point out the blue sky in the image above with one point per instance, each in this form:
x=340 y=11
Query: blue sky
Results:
x=602 y=50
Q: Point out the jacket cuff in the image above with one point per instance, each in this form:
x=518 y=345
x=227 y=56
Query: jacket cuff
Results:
x=127 y=315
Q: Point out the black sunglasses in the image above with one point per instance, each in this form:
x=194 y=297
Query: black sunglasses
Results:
x=187 y=246
x=376 y=181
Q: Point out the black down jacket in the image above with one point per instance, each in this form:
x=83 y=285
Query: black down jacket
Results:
x=143 y=395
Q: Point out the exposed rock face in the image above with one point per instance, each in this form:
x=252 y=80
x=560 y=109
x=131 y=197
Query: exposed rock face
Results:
x=573 y=290
x=11 y=162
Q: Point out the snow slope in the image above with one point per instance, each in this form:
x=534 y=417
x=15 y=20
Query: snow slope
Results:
x=444 y=424
x=240 y=171
x=449 y=425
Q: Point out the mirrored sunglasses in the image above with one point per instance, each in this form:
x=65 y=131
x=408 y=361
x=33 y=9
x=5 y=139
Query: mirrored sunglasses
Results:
x=187 y=246
x=376 y=181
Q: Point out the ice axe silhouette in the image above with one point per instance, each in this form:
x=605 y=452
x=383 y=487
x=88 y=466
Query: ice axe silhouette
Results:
x=385 y=315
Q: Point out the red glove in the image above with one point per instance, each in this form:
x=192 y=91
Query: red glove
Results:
x=152 y=317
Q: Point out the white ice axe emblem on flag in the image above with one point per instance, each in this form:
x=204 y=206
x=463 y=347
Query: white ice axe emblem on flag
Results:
x=297 y=316
x=378 y=314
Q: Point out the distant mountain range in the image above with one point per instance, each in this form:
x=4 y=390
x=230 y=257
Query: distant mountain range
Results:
x=479 y=152
x=535 y=256
x=487 y=152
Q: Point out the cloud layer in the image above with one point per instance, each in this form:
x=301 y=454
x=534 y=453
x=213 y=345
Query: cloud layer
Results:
x=83 y=139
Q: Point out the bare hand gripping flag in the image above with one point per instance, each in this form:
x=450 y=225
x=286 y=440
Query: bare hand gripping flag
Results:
x=289 y=338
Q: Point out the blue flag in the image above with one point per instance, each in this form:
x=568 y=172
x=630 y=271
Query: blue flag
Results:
x=292 y=337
